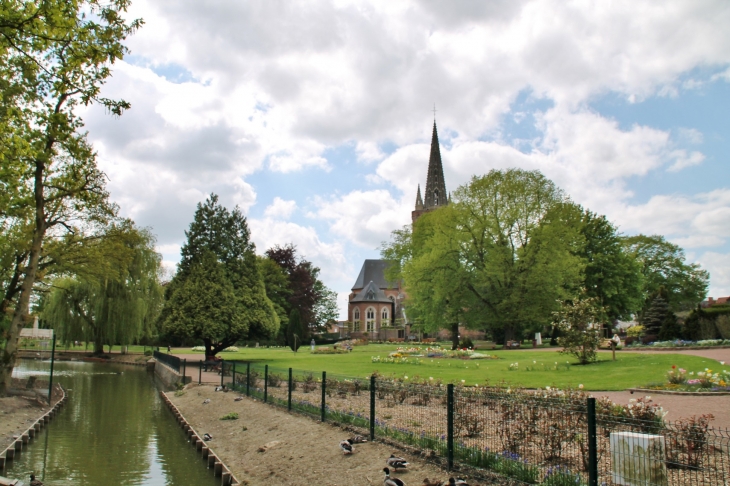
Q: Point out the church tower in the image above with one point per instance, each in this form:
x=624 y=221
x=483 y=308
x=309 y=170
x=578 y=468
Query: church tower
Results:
x=435 y=194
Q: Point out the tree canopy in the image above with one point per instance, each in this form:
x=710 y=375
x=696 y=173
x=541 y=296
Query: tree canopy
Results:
x=55 y=55
x=663 y=265
x=218 y=294
x=116 y=305
x=499 y=257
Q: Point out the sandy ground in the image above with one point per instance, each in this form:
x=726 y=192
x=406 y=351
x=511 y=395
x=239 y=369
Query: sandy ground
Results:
x=298 y=450
x=17 y=413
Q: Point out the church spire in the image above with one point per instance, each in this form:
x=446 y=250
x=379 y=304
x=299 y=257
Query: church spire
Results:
x=435 y=194
x=419 y=201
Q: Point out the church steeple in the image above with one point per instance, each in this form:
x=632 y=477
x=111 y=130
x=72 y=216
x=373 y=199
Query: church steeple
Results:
x=435 y=194
x=419 y=201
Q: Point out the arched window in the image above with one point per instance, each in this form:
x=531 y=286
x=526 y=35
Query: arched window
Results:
x=436 y=197
x=384 y=317
x=356 y=320
x=370 y=319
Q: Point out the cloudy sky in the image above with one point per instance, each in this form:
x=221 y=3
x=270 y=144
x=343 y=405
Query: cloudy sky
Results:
x=315 y=117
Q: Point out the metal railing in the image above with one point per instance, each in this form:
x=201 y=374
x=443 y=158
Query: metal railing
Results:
x=549 y=437
x=172 y=361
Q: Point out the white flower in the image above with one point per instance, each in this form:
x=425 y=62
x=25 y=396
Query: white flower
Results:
x=580 y=386
x=534 y=362
x=722 y=363
x=405 y=377
x=463 y=381
x=430 y=377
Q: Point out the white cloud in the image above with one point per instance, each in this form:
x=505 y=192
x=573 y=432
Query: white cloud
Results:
x=683 y=159
x=718 y=264
x=280 y=208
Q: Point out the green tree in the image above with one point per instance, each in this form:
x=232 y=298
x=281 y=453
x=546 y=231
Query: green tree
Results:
x=663 y=264
x=295 y=330
x=55 y=55
x=499 y=256
x=118 y=305
x=656 y=313
x=276 y=282
x=579 y=321
x=316 y=303
x=218 y=294
x=612 y=274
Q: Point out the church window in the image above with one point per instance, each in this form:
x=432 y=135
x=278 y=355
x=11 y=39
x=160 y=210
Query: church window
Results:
x=436 y=197
x=371 y=295
x=384 y=317
x=370 y=319
x=356 y=314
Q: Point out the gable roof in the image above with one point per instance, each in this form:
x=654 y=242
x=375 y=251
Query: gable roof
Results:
x=373 y=271
x=371 y=293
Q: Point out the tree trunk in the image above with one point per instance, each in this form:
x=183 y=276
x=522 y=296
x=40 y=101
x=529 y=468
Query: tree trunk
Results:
x=10 y=354
x=455 y=336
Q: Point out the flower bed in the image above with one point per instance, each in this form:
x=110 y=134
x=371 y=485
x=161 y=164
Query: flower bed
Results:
x=678 y=343
x=680 y=380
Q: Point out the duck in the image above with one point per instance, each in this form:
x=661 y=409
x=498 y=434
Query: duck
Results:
x=346 y=446
x=457 y=482
x=388 y=481
x=358 y=439
x=207 y=437
x=435 y=482
x=238 y=399
x=396 y=462
x=206 y=401
x=34 y=481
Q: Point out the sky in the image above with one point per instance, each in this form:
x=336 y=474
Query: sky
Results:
x=315 y=118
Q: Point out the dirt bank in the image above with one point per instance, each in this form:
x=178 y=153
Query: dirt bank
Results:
x=17 y=413
x=298 y=450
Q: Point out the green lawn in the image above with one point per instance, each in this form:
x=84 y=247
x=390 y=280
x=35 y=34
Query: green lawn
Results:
x=629 y=369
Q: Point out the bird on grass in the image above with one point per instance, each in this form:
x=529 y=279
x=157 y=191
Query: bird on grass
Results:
x=435 y=482
x=206 y=401
x=238 y=399
x=397 y=462
x=358 y=439
x=388 y=481
x=457 y=482
x=346 y=446
x=34 y=481
x=207 y=437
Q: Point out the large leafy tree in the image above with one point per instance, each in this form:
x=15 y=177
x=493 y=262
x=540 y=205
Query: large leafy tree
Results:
x=55 y=55
x=218 y=295
x=306 y=292
x=500 y=256
x=115 y=305
x=663 y=265
x=612 y=274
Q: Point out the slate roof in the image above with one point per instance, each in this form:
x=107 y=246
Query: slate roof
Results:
x=371 y=293
x=373 y=271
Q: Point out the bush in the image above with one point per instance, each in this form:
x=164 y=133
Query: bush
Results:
x=466 y=343
x=274 y=379
x=230 y=416
x=635 y=331
x=148 y=352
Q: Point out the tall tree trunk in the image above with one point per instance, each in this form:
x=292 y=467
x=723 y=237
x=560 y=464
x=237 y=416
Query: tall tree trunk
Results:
x=10 y=354
x=455 y=335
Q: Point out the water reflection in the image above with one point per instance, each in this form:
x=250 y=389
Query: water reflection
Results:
x=113 y=430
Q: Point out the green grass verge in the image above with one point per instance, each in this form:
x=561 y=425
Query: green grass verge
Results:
x=536 y=369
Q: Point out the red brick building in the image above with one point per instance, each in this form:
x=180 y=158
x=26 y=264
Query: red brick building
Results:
x=375 y=305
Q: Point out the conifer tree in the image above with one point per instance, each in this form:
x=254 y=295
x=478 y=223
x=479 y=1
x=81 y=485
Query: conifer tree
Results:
x=218 y=295
x=295 y=330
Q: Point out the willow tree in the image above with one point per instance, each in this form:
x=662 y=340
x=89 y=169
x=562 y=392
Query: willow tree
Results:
x=117 y=306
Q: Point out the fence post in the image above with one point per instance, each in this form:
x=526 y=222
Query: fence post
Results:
x=185 y=369
x=592 y=448
x=233 y=376
x=200 y=372
x=372 y=407
x=248 y=379
x=223 y=370
x=290 y=383
x=450 y=424
x=324 y=390
x=266 y=382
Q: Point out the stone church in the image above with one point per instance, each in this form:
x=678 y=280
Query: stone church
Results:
x=376 y=305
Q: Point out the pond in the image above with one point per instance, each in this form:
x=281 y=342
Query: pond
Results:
x=114 y=429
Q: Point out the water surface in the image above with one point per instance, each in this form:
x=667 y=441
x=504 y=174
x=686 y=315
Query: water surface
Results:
x=114 y=429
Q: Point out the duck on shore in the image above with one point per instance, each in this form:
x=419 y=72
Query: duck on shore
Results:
x=388 y=481
x=34 y=481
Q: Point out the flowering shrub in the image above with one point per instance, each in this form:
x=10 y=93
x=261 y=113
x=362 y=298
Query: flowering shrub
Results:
x=557 y=476
x=328 y=350
x=396 y=360
x=230 y=349
x=677 y=376
x=514 y=367
x=198 y=348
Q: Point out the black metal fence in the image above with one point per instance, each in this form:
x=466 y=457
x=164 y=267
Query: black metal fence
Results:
x=172 y=361
x=549 y=437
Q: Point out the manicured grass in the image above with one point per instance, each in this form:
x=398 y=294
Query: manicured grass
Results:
x=629 y=370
